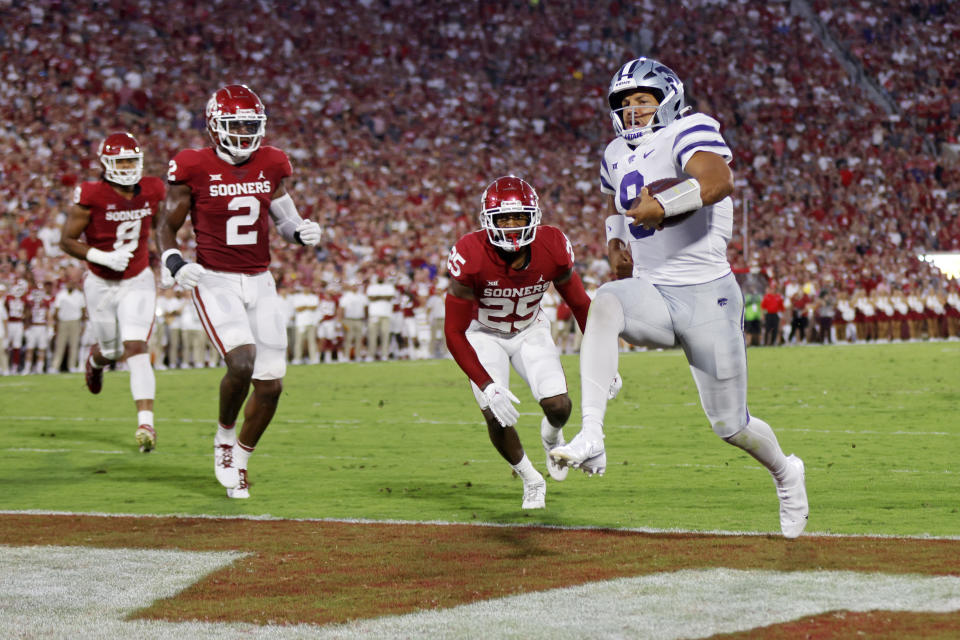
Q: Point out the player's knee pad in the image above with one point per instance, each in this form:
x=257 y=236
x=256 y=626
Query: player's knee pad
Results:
x=270 y=364
x=727 y=424
x=638 y=314
x=606 y=311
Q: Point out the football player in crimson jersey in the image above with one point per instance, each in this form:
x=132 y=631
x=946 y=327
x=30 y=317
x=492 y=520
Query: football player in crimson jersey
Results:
x=108 y=226
x=676 y=287
x=15 y=306
x=230 y=191
x=493 y=319
x=37 y=335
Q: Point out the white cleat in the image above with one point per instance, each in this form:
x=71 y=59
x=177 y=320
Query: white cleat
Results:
x=587 y=455
x=535 y=494
x=242 y=490
x=227 y=474
x=146 y=437
x=556 y=471
x=792 y=492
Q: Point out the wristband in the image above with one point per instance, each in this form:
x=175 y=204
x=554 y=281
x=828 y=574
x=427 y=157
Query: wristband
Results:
x=680 y=198
x=173 y=260
x=615 y=227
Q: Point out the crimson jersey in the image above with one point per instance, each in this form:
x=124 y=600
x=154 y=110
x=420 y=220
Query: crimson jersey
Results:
x=40 y=304
x=16 y=307
x=508 y=299
x=231 y=205
x=119 y=223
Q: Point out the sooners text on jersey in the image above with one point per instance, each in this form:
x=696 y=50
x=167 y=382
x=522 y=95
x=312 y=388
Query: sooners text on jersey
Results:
x=118 y=223
x=231 y=205
x=508 y=299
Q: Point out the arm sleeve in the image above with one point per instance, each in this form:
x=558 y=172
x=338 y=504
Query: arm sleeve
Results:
x=285 y=217
x=459 y=313
x=576 y=297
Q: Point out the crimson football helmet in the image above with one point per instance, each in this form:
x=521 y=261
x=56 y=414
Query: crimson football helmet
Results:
x=509 y=195
x=116 y=147
x=645 y=74
x=236 y=120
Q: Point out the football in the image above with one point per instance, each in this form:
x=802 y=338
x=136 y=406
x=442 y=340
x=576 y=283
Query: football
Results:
x=658 y=186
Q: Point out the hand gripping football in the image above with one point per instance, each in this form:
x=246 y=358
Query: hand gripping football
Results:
x=659 y=186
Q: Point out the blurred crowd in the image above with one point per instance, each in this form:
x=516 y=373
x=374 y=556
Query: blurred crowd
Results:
x=397 y=113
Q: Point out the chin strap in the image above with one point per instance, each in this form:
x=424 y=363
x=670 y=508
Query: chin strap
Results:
x=227 y=157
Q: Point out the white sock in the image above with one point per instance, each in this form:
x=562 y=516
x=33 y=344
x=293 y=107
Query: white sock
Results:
x=143 y=385
x=599 y=354
x=145 y=417
x=241 y=455
x=526 y=471
x=226 y=435
x=549 y=432
x=758 y=439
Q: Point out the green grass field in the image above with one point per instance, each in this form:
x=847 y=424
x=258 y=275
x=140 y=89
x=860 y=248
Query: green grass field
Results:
x=877 y=426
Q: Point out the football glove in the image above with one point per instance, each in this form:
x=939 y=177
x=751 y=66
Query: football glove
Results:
x=166 y=278
x=188 y=276
x=115 y=260
x=500 y=401
x=309 y=232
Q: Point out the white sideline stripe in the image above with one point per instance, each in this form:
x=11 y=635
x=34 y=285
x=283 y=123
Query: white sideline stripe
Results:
x=80 y=592
x=449 y=523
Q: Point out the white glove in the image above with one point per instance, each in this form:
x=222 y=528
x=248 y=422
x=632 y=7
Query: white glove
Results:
x=310 y=232
x=615 y=387
x=166 y=278
x=188 y=276
x=500 y=401
x=115 y=260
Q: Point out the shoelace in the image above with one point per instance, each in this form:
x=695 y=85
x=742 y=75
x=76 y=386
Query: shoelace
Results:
x=226 y=456
x=243 y=480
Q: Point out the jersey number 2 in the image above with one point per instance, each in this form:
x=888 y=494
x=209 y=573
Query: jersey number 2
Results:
x=234 y=236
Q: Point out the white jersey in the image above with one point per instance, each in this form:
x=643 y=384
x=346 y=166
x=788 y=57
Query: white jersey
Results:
x=695 y=250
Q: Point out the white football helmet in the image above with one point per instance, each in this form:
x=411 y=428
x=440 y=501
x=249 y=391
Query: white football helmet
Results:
x=509 y=195
x=645 y=74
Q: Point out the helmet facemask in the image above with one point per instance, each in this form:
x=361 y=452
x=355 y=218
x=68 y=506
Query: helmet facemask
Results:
x=510 y=238
x=504 y=198
x=241 y=134
x=127 y=175
x=122 y=159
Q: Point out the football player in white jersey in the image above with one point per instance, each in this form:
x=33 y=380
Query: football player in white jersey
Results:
x=676 y=286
